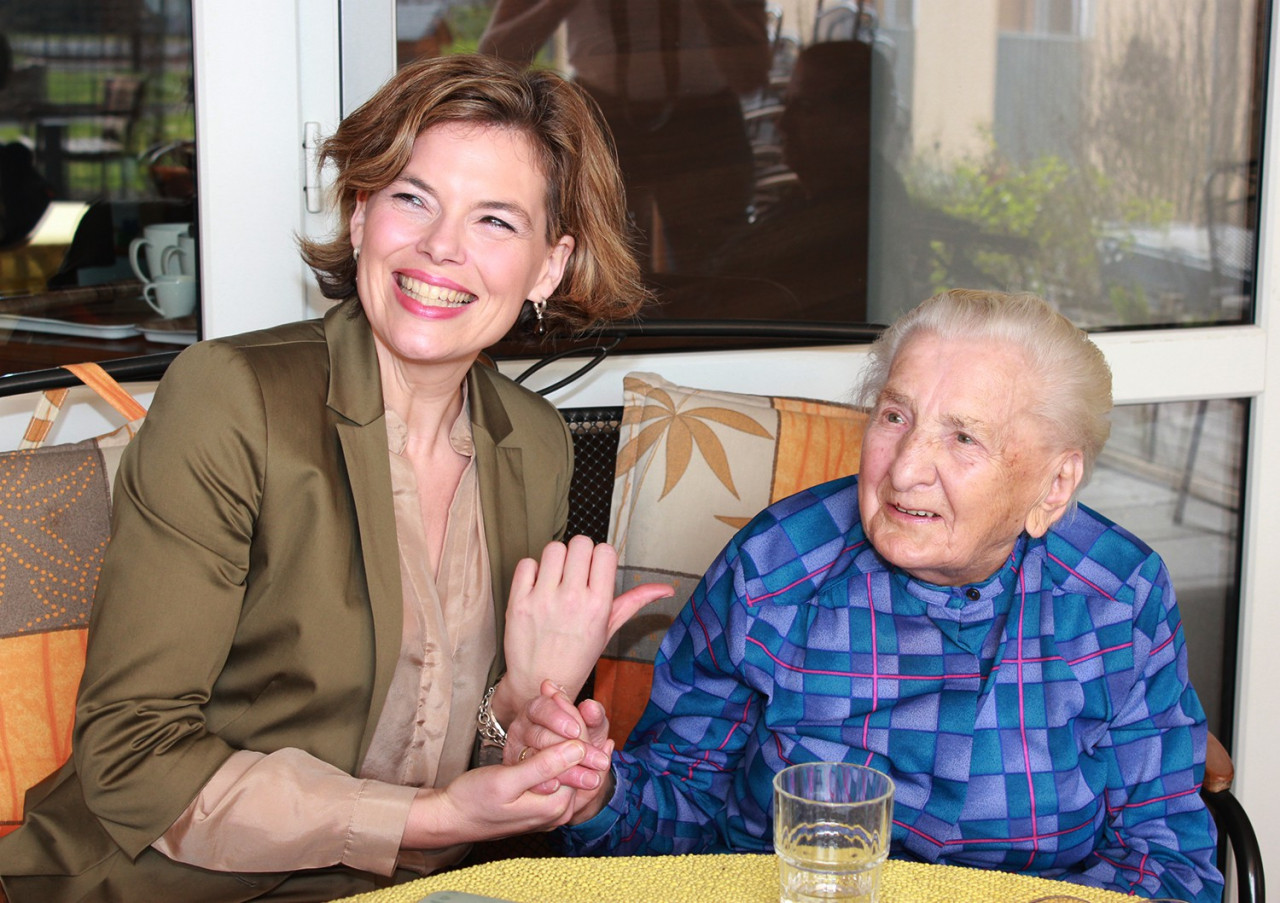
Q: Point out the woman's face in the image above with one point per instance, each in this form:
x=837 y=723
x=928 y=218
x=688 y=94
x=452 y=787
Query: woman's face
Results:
x=453 y=247
x=955 y=465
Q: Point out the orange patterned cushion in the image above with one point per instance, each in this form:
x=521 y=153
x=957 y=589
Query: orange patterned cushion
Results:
x=55 y=510
x=693 y=467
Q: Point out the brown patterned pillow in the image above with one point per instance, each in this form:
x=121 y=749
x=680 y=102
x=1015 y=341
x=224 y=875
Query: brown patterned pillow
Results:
x=693 y=467
x=55 y=513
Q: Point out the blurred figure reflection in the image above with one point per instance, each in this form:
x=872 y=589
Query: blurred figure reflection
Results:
x=668 y=75
x=817 y=242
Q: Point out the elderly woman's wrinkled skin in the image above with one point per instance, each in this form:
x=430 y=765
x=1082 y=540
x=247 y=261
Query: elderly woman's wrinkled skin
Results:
x=955 y=464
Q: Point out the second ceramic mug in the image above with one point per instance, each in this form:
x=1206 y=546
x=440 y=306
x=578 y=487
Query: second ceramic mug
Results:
x=156 y=239
x=171 y=296
x=179 y=259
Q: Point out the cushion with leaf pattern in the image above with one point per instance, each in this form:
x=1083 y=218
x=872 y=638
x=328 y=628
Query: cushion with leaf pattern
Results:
x=693 y=467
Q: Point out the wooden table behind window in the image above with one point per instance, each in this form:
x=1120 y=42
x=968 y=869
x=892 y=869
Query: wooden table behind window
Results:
x=119 y=303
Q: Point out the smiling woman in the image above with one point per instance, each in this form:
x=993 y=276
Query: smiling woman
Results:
x=303 y=625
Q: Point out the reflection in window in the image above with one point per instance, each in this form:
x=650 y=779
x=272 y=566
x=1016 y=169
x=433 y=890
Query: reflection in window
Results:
x=1107 y=162
x=1171 y=474
x=1114 y=173
x=96 y=153
x=1061 y=17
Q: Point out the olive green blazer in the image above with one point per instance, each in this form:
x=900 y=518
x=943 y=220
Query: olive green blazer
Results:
x=250 y=597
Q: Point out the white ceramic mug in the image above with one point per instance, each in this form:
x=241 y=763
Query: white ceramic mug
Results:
x=179 y=259
x=156 y=239
x=171 y=296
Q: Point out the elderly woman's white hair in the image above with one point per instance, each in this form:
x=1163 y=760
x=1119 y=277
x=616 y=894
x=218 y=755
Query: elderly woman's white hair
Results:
x=1074 y=381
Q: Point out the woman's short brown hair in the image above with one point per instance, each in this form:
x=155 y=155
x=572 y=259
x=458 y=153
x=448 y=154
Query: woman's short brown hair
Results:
x=585 y=195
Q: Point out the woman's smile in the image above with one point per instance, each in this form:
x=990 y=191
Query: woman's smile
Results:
x=421 y=294
x=914 y=512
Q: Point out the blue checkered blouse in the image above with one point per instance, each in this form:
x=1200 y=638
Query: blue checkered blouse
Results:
x=1040 y=722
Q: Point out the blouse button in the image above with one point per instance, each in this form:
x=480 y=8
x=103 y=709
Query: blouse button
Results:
x=972 y=594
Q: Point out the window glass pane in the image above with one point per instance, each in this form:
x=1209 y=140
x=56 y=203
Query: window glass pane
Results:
x=96 y=152
x=838 y=160
x=1017 y=15
x=1112 y=170
x=1061 y=16
x=1171 y=474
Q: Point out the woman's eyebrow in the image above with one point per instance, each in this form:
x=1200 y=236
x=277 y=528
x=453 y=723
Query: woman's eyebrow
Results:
x=965 y=424
x=417 y=183
x=892 y=396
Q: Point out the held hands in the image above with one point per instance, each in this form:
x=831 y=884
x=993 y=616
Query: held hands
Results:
x=561 y=614
x=497 y=801
x=550 y=720
x=555 y=771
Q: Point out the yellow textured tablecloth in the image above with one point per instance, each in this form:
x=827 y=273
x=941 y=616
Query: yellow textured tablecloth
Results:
x=740 y=878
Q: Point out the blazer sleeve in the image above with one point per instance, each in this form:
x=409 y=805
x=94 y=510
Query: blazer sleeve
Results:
x=169 y=596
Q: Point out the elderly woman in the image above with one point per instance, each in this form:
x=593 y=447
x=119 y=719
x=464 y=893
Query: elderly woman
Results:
x=305 y=601
x=1014 y=661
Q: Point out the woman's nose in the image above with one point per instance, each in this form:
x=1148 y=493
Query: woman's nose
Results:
x=913 y=462
x=442 y=241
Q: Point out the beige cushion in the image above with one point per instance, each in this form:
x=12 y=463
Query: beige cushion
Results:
x=693 y=467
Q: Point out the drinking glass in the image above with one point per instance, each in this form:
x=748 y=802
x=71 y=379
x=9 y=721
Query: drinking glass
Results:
x=831 y=826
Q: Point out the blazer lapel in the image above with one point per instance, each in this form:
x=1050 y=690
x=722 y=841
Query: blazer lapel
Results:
x=355 y=394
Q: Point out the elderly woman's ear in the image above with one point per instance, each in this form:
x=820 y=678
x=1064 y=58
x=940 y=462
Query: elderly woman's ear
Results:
x=1065 y=479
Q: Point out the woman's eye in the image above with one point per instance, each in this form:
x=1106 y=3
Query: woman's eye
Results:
x=500 y=223
x=407 y=198
x=893 y=417
x=965 y=439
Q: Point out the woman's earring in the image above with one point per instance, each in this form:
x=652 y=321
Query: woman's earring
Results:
x=355 y=255
x=539 y=308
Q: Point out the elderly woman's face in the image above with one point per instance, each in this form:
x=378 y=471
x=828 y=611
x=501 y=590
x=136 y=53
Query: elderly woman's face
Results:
x=453 y=247
x=954 y=466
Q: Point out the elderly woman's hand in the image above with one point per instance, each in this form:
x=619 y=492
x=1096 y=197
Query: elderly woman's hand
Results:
x=496 y=801
x=561 y=613
x=551 y=719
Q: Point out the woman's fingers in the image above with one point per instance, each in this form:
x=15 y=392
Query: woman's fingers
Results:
x=634 y=599
x=547 y=765
x=604 y=568
x=579 y=562
x=551 y=566
x=524 y=576
x=596 y=721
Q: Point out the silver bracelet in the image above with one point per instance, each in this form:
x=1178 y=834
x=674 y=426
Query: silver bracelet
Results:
x=491 y=732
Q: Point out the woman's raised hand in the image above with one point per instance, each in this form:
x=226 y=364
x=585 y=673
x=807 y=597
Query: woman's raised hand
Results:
x=561 y=613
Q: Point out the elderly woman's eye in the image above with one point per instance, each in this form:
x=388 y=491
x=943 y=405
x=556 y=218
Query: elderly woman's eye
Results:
x=893 y=417
x=965 y=439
